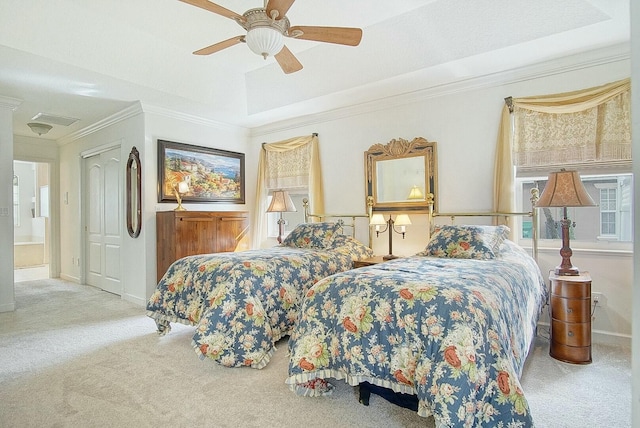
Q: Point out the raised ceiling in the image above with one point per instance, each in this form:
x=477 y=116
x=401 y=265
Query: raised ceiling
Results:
x=91 y=59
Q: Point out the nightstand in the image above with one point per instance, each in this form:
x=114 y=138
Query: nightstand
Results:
x=570 y=302
x=368 y=262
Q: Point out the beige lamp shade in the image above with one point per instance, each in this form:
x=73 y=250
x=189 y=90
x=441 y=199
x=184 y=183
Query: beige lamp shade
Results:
x=402 y=220
x=281 y=202
x=377 y=219
x=415 y=194
x=565 y=189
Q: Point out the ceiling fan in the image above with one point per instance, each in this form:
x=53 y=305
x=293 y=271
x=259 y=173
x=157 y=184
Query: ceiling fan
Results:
x=266 y=28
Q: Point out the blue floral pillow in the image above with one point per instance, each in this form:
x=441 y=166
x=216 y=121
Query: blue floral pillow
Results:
x=312 y=235
x=348 y=245
x=466 y=242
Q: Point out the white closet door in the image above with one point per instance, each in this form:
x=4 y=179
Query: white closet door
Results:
x=103 y=220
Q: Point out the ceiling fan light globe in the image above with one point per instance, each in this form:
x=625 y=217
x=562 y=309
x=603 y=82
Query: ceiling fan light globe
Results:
x=264 y=41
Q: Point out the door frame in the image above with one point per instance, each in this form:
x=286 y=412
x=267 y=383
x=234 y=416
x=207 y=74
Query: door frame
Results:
x=54 y=211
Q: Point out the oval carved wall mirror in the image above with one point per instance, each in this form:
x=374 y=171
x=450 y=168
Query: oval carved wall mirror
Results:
x=134 y=193
x=400 y=174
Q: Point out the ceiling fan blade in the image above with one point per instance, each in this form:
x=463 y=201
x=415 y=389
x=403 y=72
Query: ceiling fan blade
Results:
x=339 y=35
x=219 y=46
x=212 y=7
x=280 y=6
x=288 y=62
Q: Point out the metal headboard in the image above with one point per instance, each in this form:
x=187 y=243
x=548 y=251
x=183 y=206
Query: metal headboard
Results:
x=535 y=194
x=345 y=220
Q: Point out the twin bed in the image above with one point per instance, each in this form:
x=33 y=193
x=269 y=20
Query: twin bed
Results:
x=450 y=327
x=242 y=303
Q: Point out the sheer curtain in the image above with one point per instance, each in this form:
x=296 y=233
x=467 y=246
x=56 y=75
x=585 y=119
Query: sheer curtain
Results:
x=586 y=126
x=289 y=164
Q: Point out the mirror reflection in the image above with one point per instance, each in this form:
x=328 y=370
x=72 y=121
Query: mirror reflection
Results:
x=134 y=193
x=400 y=174
x=398 y=178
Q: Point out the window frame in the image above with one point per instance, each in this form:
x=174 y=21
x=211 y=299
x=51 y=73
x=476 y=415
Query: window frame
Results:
x=616 y=211
x=600 y=243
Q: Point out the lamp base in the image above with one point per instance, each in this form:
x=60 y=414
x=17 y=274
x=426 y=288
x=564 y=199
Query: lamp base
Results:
x=389 y=257
x=563 y=271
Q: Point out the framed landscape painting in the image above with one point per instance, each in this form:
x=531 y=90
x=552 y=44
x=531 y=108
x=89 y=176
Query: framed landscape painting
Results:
x=200 y=174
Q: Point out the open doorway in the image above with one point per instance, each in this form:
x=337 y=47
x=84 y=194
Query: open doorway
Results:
x=31 y=220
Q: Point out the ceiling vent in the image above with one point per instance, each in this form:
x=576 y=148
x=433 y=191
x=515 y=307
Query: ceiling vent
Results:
x=55 y=120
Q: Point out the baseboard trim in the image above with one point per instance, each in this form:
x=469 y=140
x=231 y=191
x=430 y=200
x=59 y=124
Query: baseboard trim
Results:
x=69 y=278
x=133 y=299
x=608 y=338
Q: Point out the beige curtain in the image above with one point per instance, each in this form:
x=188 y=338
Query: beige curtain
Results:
x=589 y=125
x=288 y=164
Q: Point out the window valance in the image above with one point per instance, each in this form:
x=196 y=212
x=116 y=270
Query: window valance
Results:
x=586 y=126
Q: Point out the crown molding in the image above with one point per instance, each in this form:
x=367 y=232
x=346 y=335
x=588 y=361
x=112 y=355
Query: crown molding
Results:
x=127 y=113
x=609 y=55
x=197 y=120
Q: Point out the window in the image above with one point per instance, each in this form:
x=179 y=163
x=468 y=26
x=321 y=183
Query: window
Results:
x=609 y=225
x=16 y=201
x=608 y=209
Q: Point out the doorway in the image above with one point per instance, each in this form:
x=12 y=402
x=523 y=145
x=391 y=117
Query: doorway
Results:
x=31 y=220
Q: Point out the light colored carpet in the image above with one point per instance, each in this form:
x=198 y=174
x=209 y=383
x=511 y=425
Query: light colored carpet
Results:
x=75 y=356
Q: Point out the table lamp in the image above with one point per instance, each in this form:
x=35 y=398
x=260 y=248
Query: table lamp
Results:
x=180 y=189
x=281 y=202
x=565 y=189
x=401 y=221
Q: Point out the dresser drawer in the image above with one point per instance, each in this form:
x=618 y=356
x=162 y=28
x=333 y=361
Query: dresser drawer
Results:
x=572 y=334
x=571 y=354
x=570 y=310
x=571 y=289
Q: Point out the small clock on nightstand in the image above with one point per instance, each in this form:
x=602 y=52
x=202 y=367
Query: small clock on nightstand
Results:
x=570 y=303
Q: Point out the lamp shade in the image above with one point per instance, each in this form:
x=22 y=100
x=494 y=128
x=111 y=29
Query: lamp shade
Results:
x=415 y=193
x=183 y=187
x=377 y=219
x=402 y=220
x=264 y=41
x=281 y=202
x=565 y=189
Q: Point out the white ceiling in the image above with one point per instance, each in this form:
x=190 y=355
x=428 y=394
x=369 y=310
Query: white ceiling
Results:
x=91 y=59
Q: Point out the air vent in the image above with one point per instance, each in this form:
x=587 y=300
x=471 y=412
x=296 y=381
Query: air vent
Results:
x=55 y=120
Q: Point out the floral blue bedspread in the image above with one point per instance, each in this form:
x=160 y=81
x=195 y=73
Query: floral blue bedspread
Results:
x=242 y=303
x=454 y=332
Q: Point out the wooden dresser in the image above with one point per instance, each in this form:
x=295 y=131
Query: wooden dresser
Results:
x=185 y=233
x=570 y=303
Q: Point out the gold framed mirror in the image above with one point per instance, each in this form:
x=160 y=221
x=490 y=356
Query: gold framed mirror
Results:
x=400 y=174
x=134 y=193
